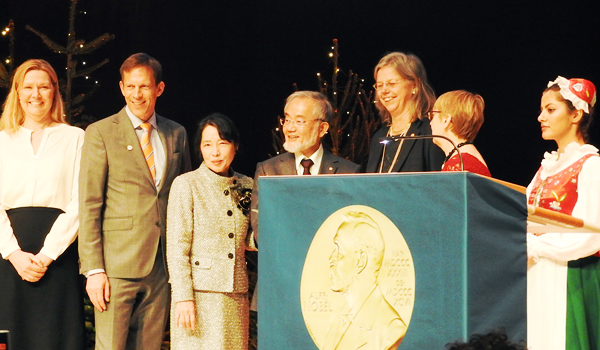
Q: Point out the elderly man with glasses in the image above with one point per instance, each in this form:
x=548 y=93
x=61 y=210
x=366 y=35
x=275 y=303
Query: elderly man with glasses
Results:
x=306 y=121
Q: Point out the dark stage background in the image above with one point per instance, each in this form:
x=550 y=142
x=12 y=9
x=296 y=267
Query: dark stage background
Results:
x=241 y=58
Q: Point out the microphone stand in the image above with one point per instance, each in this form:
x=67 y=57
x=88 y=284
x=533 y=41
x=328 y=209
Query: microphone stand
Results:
x=386 y=140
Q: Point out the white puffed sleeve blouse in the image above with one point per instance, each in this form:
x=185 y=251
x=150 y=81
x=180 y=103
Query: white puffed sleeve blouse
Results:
x=46 y=179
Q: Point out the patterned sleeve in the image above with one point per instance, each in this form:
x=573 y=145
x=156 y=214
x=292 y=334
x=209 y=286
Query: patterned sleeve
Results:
x=180 y=230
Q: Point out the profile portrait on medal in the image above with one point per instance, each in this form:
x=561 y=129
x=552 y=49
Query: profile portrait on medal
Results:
x=358 y=282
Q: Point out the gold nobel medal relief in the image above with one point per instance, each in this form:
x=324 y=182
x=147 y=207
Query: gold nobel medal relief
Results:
x=358 y=282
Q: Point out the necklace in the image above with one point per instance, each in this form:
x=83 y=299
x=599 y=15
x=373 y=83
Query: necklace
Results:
x=402 y=133
x=454 y=149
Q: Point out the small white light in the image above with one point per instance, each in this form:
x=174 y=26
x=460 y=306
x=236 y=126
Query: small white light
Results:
x=81 y=45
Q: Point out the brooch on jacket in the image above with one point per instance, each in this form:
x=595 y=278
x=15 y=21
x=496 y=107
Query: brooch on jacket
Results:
x=242 y=197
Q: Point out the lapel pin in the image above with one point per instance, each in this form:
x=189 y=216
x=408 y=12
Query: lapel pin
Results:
x=129 y=147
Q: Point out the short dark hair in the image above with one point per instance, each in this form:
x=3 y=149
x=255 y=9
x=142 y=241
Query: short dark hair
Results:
x=225 y=126
x=142 y=60
x=494 y=340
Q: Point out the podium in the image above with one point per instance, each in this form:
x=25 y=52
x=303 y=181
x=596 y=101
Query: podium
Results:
x=454 y=263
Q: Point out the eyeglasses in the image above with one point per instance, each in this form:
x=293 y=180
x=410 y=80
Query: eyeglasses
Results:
x=431 y=114
x=389 y=84
x=299 y=123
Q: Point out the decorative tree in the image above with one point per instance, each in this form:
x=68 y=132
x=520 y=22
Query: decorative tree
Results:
x=354 y=117
x=75 y=47
x=4 y=73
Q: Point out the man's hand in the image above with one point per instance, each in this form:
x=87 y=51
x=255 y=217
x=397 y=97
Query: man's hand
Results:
x=185 y=316
x=27 y=265
x=98 y=289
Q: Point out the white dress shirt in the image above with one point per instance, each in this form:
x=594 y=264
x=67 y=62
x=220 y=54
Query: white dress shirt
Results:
x=157 y=146
x=316 y=157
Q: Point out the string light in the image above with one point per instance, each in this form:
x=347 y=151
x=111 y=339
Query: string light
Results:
x=7 y=61
x=81 y=45
x=331 y=54
x=87 y=77
x=318 y=74
x=84 y=63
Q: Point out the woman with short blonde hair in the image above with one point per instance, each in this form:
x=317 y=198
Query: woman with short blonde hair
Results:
x=458 y=115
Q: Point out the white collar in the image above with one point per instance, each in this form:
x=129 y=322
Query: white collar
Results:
x=315 y=157
x=137 y=121
x=554 y=162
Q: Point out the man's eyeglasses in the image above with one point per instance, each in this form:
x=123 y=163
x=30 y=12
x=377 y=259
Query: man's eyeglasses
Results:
x=431 y=114
x=389 y=84
x=299 y=123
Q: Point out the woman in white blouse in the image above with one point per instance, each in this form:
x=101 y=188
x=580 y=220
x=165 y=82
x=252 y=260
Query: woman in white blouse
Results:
x=40 y=294
x=563 y=281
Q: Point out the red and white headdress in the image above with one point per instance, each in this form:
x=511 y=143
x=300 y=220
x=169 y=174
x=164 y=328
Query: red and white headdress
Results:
x=580 y=92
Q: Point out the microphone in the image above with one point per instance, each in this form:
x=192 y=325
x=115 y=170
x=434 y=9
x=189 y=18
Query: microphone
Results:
x=388 y=139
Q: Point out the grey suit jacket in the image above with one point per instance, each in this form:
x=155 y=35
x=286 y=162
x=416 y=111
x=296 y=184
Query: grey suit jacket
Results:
x=122 y=215
x=284 y=164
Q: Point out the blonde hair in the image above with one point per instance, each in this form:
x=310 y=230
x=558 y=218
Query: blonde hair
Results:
x=410 y=68
x=13 y=115
x=466 y=109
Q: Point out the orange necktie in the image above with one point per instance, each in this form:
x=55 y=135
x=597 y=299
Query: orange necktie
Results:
x=147 y=148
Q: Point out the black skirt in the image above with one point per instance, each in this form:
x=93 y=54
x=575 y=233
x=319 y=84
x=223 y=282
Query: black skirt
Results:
x=47 y=314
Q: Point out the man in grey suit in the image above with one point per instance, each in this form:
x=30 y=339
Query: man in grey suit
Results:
x=128 y=163
x=307 y=116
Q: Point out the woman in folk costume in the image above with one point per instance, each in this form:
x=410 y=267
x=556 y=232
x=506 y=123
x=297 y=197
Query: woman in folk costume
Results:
x=563 y=301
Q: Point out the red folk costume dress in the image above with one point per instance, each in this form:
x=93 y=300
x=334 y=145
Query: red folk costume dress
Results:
x=563 y=286
x=470 y=164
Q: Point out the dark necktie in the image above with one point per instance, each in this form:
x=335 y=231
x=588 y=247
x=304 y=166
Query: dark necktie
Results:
x=306 y=164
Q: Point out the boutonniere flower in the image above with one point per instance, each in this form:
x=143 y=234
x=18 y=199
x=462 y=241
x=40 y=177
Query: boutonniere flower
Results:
x=242 y=197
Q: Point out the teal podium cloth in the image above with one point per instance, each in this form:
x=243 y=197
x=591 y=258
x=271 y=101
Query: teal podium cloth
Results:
x=466 y=245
